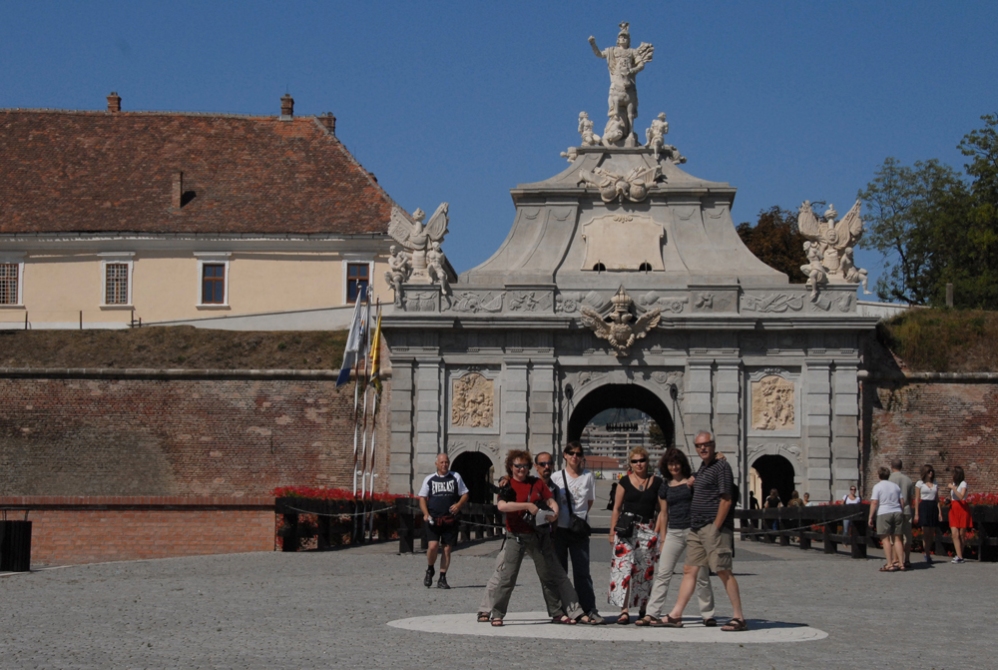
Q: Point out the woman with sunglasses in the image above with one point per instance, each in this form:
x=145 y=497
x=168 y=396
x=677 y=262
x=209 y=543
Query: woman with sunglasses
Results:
x=575 y=493
x=632 y=534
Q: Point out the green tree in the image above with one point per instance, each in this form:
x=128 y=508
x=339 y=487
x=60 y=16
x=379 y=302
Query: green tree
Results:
x=776 y=241
x=935 y=226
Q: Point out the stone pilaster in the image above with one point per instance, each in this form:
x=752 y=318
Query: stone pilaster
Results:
x=845 y=428
x=429 y=404
x=727 y=412
x=514 y=426
x=400 y=471
x=542 y=423
x=817 y=402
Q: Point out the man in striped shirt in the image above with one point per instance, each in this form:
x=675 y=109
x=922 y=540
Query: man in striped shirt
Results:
x=711 y=537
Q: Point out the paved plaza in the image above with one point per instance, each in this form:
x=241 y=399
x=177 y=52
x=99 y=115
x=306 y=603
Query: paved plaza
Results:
x=333 y=609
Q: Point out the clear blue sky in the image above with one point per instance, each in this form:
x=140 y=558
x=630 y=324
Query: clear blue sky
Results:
x=461 y=101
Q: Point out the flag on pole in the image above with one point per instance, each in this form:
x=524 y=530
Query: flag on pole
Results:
x=376 y=353
x=354 y=340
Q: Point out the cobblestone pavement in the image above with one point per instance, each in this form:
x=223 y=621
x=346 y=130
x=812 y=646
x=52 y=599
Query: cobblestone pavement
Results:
x=330 y=609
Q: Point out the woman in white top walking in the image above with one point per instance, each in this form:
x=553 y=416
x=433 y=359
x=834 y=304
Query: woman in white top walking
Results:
x=927 y=514
x=886 y=506
x=850 y=498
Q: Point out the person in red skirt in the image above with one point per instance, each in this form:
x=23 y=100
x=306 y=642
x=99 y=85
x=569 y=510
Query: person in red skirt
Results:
x=959 y=513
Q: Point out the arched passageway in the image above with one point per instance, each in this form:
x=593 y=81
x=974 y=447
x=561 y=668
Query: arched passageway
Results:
x=776 y=472
x=474 y=466
x=611 y=396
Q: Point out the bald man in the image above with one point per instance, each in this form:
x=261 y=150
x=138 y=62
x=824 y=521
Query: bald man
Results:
x=441 y=497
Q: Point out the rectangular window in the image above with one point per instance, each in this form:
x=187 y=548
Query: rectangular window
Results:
x=9 y=277
x=116 y=283
x=358 y=277
x=213 y=284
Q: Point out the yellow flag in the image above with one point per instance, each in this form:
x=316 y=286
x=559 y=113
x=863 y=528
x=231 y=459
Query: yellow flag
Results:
x=376 y=353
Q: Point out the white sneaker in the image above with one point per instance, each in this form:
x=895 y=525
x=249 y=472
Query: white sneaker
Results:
x=957 y=559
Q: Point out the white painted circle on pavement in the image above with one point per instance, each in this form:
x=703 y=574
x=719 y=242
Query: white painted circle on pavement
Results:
x=538 y=625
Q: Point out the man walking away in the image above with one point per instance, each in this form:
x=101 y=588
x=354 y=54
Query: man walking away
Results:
x=441 y=497
x=908 y=492
x=712 y=531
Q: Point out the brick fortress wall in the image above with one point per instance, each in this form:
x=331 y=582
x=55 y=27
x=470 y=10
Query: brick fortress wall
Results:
x=218 y=435
x=188 y=435
x=941 y=422
x=67 y=530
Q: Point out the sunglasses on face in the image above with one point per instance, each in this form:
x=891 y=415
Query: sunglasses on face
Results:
x=639 y=460
x=521 y=466
x=573 y=453
x=544 y=464
x=704 y=445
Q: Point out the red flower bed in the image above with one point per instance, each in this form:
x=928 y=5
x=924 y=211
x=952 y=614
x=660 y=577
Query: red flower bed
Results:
x=331 y=494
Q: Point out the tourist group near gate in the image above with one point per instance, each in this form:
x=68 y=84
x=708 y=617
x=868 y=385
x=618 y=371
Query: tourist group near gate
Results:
x=226 y=346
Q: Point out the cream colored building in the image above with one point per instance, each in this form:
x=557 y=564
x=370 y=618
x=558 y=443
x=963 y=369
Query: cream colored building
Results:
x=113 y=218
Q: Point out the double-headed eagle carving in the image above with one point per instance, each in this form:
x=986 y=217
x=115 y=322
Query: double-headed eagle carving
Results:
x=830 y=246
x=617 y=327
x=420 y=261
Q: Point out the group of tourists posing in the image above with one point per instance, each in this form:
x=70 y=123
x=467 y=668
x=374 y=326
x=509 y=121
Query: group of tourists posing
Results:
x=896 y=504
x=655 y=519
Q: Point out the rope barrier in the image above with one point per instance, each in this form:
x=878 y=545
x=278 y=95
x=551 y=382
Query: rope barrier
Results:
x=817 y=523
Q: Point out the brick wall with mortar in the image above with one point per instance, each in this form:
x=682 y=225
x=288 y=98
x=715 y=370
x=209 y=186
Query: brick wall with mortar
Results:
x=70 y=530
x=117 y=433
x=940 y=423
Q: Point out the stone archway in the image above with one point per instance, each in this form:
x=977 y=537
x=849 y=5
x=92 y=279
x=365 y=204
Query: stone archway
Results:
x=474 y=467
x=609 y=396
x=776 y=472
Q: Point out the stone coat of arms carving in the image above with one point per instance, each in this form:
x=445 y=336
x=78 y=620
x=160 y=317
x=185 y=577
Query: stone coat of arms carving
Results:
x=622 y=330
x=473 y=401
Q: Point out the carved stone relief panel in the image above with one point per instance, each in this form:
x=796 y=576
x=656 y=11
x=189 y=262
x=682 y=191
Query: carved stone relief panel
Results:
x=472 y=401
x=774 y=402
x=773 y=303
x=475 y=302
x=529 y=301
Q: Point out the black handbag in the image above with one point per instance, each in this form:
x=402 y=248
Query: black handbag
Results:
x=625 y=525
x=576 y=524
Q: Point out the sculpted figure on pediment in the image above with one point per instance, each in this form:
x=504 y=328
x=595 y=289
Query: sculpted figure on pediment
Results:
x=624 y=63
x=473 y=401
x=773 y=400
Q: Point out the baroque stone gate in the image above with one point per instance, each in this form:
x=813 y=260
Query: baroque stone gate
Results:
x=623 y=283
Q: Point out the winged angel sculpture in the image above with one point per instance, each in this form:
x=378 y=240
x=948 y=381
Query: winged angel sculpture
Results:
x=829 y=247
x=619 y=331
x=420 y=261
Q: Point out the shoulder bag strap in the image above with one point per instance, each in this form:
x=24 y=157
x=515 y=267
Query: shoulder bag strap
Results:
x=568 y=494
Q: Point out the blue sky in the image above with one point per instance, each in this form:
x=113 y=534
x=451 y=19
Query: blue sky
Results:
x=461 y=101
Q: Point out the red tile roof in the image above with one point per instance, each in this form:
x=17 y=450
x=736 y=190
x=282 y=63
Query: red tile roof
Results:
x=89 y=172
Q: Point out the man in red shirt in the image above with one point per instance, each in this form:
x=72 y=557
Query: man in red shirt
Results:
x=522 y=496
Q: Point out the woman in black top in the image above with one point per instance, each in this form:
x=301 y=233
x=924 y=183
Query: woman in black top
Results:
x=632 y=534
x=674 y=526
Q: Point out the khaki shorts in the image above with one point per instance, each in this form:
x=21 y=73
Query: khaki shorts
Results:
x=710 y=547
x=891 y=523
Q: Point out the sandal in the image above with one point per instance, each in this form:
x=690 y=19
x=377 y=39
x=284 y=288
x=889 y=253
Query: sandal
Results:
x=624 y=619
x=710 y=622
x=483 y=617
x=888 y=568
x=588 y=619
x=563 y=619
x=734 y=625
x=668 y=622
x=647 y=620
x=496 y=623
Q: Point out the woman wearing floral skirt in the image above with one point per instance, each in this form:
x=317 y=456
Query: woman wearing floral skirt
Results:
x=635 y=543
